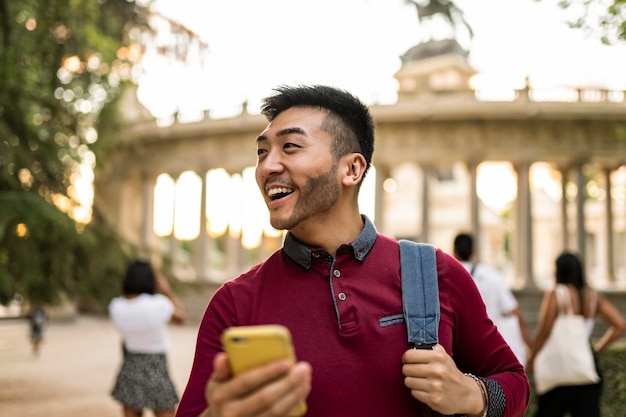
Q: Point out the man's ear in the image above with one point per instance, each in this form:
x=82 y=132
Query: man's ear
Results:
x=353 y=167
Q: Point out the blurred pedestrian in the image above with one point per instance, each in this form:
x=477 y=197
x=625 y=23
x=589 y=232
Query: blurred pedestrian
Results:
x=141 y=316
x=579 y=400
x=502 y=306
x=38 y=319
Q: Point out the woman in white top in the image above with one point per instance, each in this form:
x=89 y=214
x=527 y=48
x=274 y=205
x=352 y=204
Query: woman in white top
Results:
x=141 y=316
x=579 y=400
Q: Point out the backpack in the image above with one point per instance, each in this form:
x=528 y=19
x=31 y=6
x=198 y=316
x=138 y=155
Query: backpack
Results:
x=418 y=266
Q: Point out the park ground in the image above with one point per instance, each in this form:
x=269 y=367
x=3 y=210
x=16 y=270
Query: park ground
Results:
x=75 y=369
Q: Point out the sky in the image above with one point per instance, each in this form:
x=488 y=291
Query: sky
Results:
x=356 y=44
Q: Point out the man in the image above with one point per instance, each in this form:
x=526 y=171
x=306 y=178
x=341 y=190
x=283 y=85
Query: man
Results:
x=336 y=285
x=502 y=307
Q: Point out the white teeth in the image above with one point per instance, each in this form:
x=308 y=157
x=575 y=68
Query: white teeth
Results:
x=273 y=191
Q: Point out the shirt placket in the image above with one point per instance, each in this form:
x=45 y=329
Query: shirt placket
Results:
x=342 y=299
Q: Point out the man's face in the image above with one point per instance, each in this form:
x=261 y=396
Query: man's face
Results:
x=296 y=171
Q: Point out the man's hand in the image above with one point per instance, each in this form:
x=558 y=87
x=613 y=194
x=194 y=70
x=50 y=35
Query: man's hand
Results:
x=434 y=379
x=269 y=390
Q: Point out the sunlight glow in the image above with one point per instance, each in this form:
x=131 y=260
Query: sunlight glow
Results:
x=390 y=185
x=367 y=201
x=235 y=212
x=83 y=189
x=218 y=201
x=544 y=177
x=187 y=206
x=618 y=181
x=496 y=184
x=254 y=213
x=21 y=230
x=164 y=205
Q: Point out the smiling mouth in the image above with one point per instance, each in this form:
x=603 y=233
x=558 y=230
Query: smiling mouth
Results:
x=278 y=193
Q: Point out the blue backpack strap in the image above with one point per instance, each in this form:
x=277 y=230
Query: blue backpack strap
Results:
x=420 y=293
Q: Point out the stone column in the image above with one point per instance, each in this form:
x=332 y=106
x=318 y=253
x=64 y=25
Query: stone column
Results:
x=564 y=217
x=524 y=249
x=147 y=217
x=580 y=212
x=233 y=255
x=201 y=243
x=608 y=214
x=173 y=242
x=472 y=169
x=426 y=173
x=382 y=173
x=173 y=248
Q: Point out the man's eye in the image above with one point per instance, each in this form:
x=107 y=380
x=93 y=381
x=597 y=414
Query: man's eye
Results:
x=290 y=145
x=260 y=152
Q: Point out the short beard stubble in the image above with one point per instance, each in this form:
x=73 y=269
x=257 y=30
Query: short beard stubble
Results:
x=318 y=194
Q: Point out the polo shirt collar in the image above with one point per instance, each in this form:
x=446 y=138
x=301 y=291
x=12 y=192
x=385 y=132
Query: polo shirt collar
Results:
x=302 y=254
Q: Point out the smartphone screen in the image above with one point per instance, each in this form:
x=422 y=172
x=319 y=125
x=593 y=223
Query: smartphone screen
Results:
x=250 y=346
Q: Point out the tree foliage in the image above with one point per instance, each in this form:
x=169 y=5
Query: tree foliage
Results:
x=62 y=62
x=605 y=19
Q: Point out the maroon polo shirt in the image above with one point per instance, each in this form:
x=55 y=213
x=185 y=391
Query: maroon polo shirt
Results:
x=344 y=314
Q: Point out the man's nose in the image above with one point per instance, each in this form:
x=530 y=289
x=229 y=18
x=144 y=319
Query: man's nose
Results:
x=273 y=162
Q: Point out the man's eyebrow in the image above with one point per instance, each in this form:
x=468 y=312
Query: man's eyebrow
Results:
x=290 y=130
x=283 y=132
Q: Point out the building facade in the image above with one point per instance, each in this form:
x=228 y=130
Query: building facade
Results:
x=432 y=146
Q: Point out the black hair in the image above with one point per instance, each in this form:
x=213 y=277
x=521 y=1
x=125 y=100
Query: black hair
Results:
x=464 y=246
x=139 y=279
x=570 y=270
x=349 y=120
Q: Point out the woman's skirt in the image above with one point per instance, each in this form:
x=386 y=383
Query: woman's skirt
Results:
x=144 y=382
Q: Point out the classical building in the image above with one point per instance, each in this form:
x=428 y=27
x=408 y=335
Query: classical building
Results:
x=430 y=147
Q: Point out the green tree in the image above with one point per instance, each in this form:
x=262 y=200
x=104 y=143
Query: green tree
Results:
x=62 y=62
x=605 y=19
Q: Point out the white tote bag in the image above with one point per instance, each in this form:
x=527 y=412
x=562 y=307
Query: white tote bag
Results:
x=566 y=358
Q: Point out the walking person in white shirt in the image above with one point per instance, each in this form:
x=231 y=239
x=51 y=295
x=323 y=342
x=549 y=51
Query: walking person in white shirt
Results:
x=502 y=307
x=141 y=316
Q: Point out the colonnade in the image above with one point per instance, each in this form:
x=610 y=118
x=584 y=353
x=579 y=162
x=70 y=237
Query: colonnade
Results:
x=525 y=233
x=426 y=128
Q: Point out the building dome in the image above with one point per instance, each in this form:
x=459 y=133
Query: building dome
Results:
x=432 y=49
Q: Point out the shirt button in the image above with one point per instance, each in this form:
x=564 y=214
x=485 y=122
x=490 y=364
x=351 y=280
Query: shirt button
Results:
x=342 y=296
x=316 y=254
x=336 y=273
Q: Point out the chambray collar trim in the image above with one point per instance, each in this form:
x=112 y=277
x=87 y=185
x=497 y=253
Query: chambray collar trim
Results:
x=303 y=255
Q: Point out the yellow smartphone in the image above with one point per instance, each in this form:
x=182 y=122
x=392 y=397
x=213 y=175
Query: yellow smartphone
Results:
x=251 y=346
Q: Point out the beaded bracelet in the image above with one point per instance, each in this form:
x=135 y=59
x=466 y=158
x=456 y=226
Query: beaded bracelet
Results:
x=481 y=385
